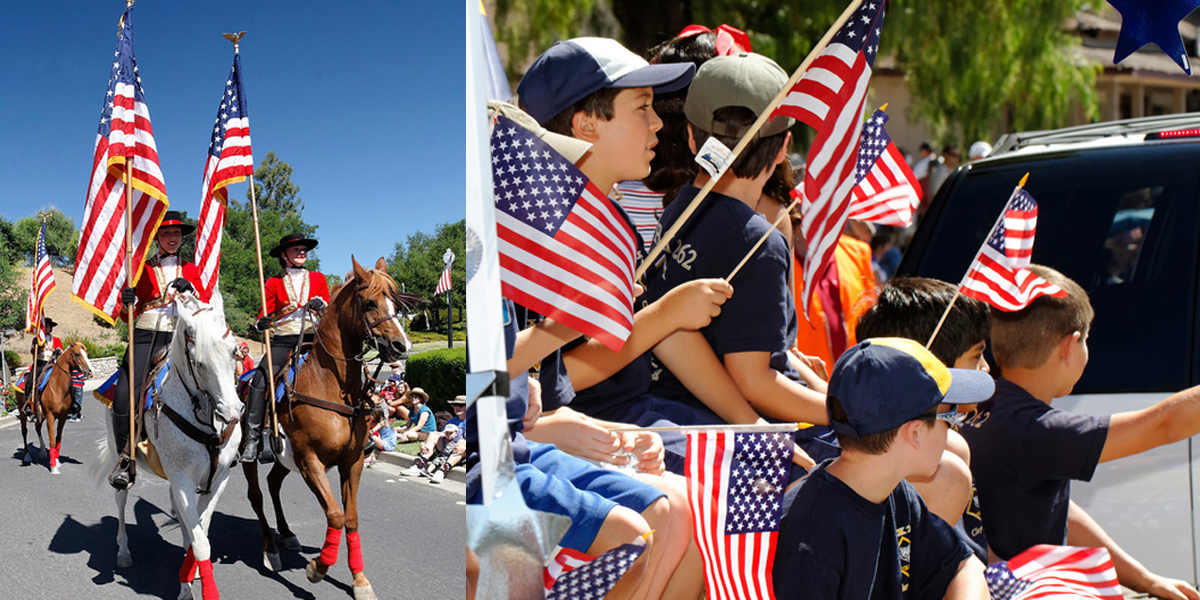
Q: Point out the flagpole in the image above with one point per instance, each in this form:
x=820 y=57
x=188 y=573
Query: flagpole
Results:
x=41 y=323
x=958 y=290
x=746 y=137
x=128 y=310
x=774 y=226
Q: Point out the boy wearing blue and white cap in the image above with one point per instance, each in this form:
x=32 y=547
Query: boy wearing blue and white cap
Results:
x=854 y=529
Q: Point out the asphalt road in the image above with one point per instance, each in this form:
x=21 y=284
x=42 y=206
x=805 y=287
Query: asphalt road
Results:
x=58 y=533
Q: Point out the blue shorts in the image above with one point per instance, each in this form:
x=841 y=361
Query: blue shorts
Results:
x=558 y=483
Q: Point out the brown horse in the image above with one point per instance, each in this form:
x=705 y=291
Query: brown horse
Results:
x=324 y=418
x=54 y=401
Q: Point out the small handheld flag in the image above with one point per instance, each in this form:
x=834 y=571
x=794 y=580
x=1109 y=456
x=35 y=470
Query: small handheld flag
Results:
x=566 y=251
x=885 y=190
x=1052 y=572
x=999 y=275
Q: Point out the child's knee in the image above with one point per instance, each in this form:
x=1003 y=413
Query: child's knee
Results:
x=621 y=526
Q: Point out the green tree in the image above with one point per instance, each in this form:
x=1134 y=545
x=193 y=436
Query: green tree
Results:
x=965 y=63
x=62 y=237
x=274 y=190
x=417 y=264
x=12 y=296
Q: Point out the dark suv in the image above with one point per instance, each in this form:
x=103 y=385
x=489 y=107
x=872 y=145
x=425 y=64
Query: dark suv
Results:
x=1118 y=212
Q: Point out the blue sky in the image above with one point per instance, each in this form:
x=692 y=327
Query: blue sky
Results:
x=364 y=102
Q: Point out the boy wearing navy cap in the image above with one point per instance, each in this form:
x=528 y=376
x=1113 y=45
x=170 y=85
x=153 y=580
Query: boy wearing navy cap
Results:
x=854 y=529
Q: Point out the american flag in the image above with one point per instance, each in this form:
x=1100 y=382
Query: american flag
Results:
x=830 y=97
x=41 y=283
x=885 y=190
x=443 y=281
x=124 y=143
x=229 y=161
x=999 y=275
x=577 y=576
x=1050 y=572
x=735 y=484
x=566 y=251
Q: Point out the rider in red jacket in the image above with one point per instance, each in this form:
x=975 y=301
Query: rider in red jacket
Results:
x=163 y=275
x=294 y=299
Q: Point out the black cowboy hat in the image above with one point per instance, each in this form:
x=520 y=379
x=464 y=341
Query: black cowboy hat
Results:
x=292 y=239
x=172 y=218
x=48 y=323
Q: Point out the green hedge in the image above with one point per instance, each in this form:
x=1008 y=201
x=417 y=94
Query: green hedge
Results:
x=94 y=348
x=13 y=358
x=441 y=373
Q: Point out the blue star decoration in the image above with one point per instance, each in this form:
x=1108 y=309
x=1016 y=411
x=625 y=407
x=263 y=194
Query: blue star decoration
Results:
x=1153 y=22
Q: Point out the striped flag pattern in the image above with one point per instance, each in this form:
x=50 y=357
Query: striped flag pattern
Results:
x=830 y=98
x=41 y=283
x=736 y=482
x=124 y=144
x=566 y=251
x=1052 y=572
x=230 y=161
x=1000 y=273
x=444 y=281
x=885 y=190
x=573 y=575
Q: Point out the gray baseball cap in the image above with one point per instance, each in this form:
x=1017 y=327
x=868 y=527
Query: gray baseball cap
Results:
x=571 y=148
x=748 y=80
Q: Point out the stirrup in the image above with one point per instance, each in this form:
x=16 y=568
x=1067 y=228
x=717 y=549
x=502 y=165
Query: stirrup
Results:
x=123 y=475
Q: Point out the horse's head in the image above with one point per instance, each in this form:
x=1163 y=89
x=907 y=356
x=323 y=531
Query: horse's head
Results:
x=203 y=351
x=77 y=359
x=376 y=303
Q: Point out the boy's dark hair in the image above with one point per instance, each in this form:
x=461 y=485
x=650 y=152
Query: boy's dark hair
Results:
x=910 y=307
x=1027 y=337
x=599 y=103
x=758 y=155
x=674 y=163
x=874 y=444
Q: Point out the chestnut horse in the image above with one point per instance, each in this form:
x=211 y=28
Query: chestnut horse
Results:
x=324 y=418
x=54 y=401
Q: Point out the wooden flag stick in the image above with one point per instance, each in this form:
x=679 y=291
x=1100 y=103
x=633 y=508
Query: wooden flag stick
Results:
x=762 y=239
x=262 y=293
x=958 y=290
x=746 y=137
x=767 y=428
x=129 y=310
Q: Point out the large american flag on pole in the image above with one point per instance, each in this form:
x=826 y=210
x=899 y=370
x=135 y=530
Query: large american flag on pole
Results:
x=229 y=161
x=41 y=283
x=830 y=97
x=1054 y=572
x=566 y=250
x=1000 y=273
x=443 y=281
x=885 y=190
x=736 y=482
x=124 y=143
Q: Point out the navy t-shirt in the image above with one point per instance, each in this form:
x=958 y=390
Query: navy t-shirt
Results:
x=552 y=373
x=1024 y=455
x=761 y=315
x=834 y=543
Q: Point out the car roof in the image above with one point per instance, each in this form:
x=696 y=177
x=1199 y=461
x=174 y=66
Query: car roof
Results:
x=1107 y=134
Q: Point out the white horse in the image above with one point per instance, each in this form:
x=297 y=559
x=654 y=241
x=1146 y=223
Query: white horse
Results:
x=193 y=426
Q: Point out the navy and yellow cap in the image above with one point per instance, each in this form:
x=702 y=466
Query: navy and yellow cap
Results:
x=883 y=383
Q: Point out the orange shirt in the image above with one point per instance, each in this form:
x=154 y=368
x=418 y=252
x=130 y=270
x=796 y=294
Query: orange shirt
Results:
x=852 y=259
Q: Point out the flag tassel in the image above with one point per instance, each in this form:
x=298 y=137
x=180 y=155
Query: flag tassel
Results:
x=742 y=143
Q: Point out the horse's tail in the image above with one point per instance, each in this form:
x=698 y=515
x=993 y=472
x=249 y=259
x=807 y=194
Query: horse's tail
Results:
x=105 y=457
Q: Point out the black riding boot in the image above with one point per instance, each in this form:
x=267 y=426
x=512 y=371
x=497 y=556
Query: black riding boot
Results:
x=125 y=472
x=252 y=426
x=76 y=412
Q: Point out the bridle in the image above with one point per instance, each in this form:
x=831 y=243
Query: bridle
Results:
x=370 y=339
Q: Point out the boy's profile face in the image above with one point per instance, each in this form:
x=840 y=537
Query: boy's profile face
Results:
x=973 y=359
x=931 y=451
x=626 y=141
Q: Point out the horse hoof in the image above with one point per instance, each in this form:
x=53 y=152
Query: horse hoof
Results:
x=290 y=542
x=27 y=460
x=55 y=470
x=311 y=572
x=185 y=591
x=124 y=560
x=271 y=561
x=364 y=592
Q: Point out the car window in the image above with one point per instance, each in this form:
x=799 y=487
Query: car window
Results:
x=1121 y=222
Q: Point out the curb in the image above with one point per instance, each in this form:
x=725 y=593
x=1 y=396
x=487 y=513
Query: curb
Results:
x=405 y=461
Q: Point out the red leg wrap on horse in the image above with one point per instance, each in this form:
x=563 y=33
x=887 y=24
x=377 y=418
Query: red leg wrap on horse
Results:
x=188 y=571
x=329 y=552
x=354 y=547
x=53 y=457
x=208 y=585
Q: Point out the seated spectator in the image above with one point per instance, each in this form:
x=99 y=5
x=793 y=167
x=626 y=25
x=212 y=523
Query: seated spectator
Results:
x=398 y=403
x=242 y=362
x=382 y=437
x=421 y=421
